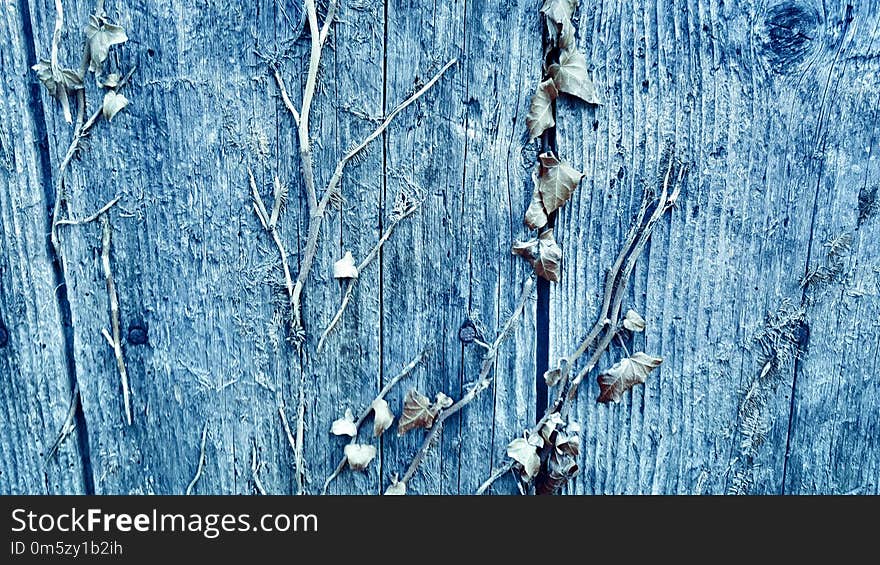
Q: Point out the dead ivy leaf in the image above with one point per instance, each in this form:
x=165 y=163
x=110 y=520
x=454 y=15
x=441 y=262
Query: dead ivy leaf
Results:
x=625 y=374
x=59 y=83
x=570 y=76
x=547 y=429
x=345 y=267
x=113 y=103
x=111 y=80
x=526 y=454
x=101 y=35
x=382 y=416
x=418 y=412
x=544 y=254
x=359 y=455
x=633 y=321
x=535 y=218
x=556 y=181
x=540 y=116
x=397 y=488
x=552 y=377
x=565 y=39
x=441 y=402
x=559 y=11
x=344 y=426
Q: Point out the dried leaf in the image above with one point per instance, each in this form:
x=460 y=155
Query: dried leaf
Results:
x=359 y=456
x=556 y=182
x=418 y=412
x=536 y=218
x=111 y=80
x=345 y=267
x=59 y=82
x=552 y=377
x=113 y=103
x=526 y=454
x=633 y=322
x=543 y=253
x=564 y=35
x=547 y=429
x=570 y=76
x=382 y=416
x=344 y=426
x=625 y=374
x=540 y=116
x=101 y=35
x=441 y=402
x=397 y=487
x=559 y=11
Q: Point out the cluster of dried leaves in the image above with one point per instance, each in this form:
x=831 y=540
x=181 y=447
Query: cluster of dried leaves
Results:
x=565 y=71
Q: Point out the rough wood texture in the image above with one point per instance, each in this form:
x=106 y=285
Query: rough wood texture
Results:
x=773 y=106
x=767 y=386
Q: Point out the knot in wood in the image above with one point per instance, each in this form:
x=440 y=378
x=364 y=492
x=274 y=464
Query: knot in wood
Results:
x=467 y=333
x=790 y=32
x=4 y=336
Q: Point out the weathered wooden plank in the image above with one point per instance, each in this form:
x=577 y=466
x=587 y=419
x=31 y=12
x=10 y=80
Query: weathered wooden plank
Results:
x=738 y=102
x=35 y=381
x=461 y=146
x=833 y=435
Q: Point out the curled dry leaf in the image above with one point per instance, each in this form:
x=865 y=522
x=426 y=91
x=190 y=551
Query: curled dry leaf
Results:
x=540 y=116
x=543 y=253
x=526 y=454
x=633 y=322
x=418 y=412
x=559 y=11
x=397 y=488
x=625 y=374
x=101 y=35
x=113 y=103
x=344 y=426
x=59 y=82
x=570 y=76
x=382 y=416
x=111 y=80
x=345 y=267
x=554 y=185
x=359 y=455
x=441 y=402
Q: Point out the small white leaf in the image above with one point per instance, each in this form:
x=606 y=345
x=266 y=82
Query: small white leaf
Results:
x=111 y=80
x=359 y=456
x=382 y=416
x=344 y=426
x=526 y=455
x=100 y=36
x=397 y=488
x=345 y=267
x=441 y=402
x=540 y=116
x=113 y=103
x=633 y=322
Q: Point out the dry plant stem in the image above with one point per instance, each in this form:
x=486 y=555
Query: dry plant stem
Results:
x=198 y=475
x=80 y=131
x=255 y=471
x=617 y=281
x=300 y=434
x=317 y=214
x=53 y=56
x=350 y=283
x=365 y=413
x=308 y=95
x=286 y=426
x=269 y=225
x=284 y=96
x=91 y=218
x=114 y=317
x=68 y=425
x=482 y=383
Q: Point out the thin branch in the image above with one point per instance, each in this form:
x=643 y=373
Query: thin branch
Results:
x=255 y=471
x=365 y=413
x=286 y=426
x=332 y=187
x=269 y=226
x=67 y=427
x=331 y=13
x=615 y=290
x=284 y=96
x=300 y=434
x=114 y=316
x=482 y=383
x=350 y=283
x=308 y=94
x=91 y=218
x=198 y=475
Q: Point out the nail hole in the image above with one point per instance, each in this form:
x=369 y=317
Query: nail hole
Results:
x=151 y=53
x=468 y=332
x=4 y=336
x=137 y=335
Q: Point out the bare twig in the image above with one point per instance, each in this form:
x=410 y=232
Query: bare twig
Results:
x=365 y=413
x=332 y=187
x=284 y=96
x=350 y=283
x=331 y=13
x=482 y=383
x=67 y=427
x=255 y=470
x=198 y=475
x=114 y=316
x=616 y=283
x=300 y=434
x=91 y=218
x=286 y=426
x=269 y=224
